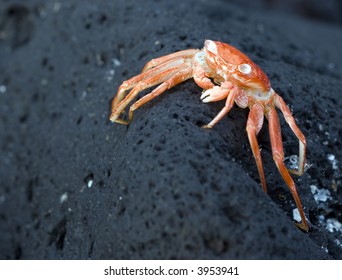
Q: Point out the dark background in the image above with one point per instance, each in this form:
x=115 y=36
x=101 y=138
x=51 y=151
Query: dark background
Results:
x=75 y=186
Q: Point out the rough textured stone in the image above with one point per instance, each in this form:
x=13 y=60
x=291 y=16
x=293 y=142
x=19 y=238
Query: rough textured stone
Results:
x=75 y=186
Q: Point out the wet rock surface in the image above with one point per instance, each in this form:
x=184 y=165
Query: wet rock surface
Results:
x=75 y=186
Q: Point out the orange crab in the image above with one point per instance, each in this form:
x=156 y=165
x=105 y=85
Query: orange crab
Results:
x=223 y=72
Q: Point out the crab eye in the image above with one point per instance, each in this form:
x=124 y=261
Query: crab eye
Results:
x=210 y=46
x=245 y=68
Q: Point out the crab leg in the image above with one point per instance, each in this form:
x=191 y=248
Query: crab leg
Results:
x=181 y=76
x=127 y=85
x=279 y=103
x=254 y=124
x=157 y=79
x=225 y=110
x=160 y=60
x=278 y=157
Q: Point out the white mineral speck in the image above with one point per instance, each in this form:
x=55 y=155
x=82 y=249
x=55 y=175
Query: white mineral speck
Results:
x=293 y=161
x=333 y=225
x=110 y=75
x=56 y=7
x=338 y=242
x=320 y=127
x=320 y=195
x=296 y=215
x=325 y=249
x=2 y=88
x=90 y=183
x=64 y=197
x=333 y=161
x=116 y=62
x=83 y=95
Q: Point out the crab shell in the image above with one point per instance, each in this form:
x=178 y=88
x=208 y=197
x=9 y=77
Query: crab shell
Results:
x=236 y=66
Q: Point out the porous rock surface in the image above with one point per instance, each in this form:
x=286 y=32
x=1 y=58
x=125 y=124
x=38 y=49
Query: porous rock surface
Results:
x=75 y=186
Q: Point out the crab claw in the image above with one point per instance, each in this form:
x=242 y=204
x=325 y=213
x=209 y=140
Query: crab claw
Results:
x=215 y=93
x=204 y=95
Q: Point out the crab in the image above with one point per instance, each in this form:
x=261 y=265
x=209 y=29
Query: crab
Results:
x=223 y=72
